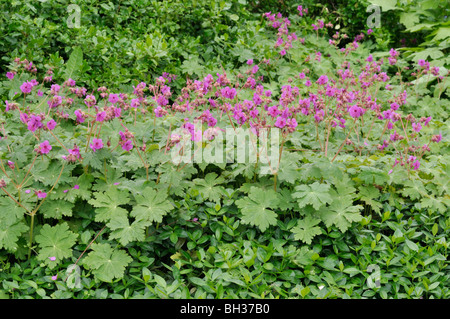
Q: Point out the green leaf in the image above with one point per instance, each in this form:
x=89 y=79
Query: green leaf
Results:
x=151 y=206
x=304 y=256
x=256 y=210
x=108 y=204
x=124 y=232
x=385 y=5
x=10 y=212
x=288 y=170
x=368 y=194
x=306 y=229
x=373 y=175
x=414 y=189
x=341 y=213
x=10 y=233
x=208 y=189
x=56 y=208
x=411 y=245
x=437 y=204
x=106 y=262
x=55 y=241
x=74 y=63
x=315 y=194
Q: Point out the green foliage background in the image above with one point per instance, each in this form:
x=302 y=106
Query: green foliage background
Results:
x=195 y=244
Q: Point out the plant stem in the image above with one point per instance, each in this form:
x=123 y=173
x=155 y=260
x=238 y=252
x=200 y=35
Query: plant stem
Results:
x=30 y=242
x=345 y=140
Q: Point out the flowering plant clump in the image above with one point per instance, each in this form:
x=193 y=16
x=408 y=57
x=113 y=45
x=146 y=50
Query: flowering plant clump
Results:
x=335 y=130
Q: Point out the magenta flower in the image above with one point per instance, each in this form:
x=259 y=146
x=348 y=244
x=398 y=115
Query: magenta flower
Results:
x=250 y=61
x=113 y=98
x=55 y=101
x=70 y=82
x=26 y=87
x=80 y=116
x=76 y=187
x=273 y=111
x=52 y=258
x=280 y=122
x=96 y=144
x=436 y=138
x=10 y=75
x=355 y=111
x=34 y=123
x=283 y=52
x=323 y=79
x=160 y=112
x=394 y=106
x=54 y=89
x=228 y=92
x=127 y=146
x=416 y=127
x=55 y=277
x=11 y=165
x=51 y=124
x=41 y=194
x=90 y=100
x=134 y=103
x=101 y=116
x=44 y=147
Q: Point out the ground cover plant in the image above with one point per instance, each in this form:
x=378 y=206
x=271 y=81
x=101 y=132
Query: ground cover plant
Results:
x=314 y=166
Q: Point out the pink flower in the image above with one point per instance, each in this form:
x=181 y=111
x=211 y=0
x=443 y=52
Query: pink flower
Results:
x=283 y=52
x=76 y=187
x=96 y=144
x=250 y=61
x=436 y=138
x=54 y=89
x=134 y=103
x=80 y=116
x=45 y=147
x=416 y=127
x=159 y=111
x=41 y=194
x=26 y=87
x=127 y=146
x=70 y=82
x=51 y=124
x=280 y=122
x=394 y=106
x=10 y=75
x=90 y=100
x=52 y=258
x=113 y=98
x=273 y=111
x=323 y=79
x=355 y=111
x=101 y=116
x=55 y=277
